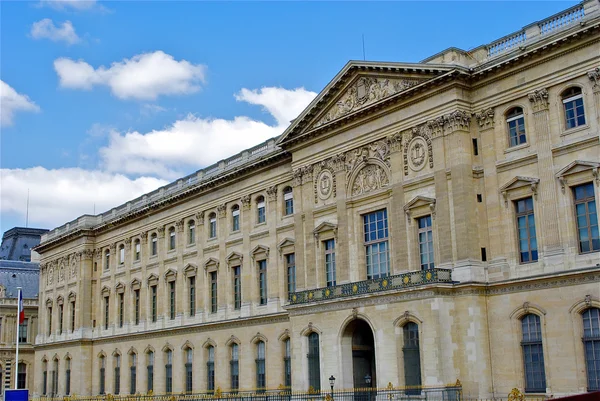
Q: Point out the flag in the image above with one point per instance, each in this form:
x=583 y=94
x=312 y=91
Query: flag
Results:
x=21 y=309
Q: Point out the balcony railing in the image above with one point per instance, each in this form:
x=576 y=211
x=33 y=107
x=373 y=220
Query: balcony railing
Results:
x=399 y=281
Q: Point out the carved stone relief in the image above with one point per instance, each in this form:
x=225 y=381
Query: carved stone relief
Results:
x=324 y=185
x=419 y=149
x=485 y=118
x=539 y=99
x=594 y=76
x=370 y=178
x=272 y=193
x=378 y=150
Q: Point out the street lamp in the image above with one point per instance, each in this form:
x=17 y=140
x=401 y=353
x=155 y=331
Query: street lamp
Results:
x=331 y=383
x=368 y=383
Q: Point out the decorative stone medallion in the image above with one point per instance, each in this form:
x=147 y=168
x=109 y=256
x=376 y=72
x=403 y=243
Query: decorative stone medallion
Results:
x=417 y=153
x=324 y=184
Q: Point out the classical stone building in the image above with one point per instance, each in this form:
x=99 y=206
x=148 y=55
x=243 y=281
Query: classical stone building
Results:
x=418 y=223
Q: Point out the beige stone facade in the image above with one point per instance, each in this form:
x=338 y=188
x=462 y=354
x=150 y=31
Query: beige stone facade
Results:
x=417 y=174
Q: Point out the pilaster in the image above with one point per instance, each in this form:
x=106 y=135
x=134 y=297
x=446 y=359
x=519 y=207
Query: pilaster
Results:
x=594 y=76
x=399 y=257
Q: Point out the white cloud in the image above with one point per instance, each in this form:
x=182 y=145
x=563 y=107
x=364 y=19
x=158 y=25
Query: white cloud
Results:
x=61 y=195
x=12 y=102
x=77 y=5
x=197 y=142
x=144 y=76
x=46 y=29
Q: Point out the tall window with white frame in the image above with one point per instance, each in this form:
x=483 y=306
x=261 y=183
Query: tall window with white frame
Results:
x=106 y=311
x=212 y=226
x=72 y=316
x=237 y=287
x=314 y=361
x=515 y=120
x=533 y=354
x=288 y=201
x=572 y=100
x=425 y=242
x=235 y=367
x=172 y=239
x=137 y=250
x=153 y=302
x=412 y=357
x=235 y=218
x=191 y=232
x=587 y=218
x=330 y=274
x=68 y=376
x=287 y=363
x=261 y=214
x=290 y=264
x=121 y=308
x=49 y=320
x=192 y=295
x=262 y=281
x=591 y=345
x=102 y=375
x=107 y=259
x=169 y=371
x=121 y=254
x=133 y=373
x=117 y=386
x=213 y=292
x=376 y=244
x=23 y=331
x=61 y=316
x=154 y=244
x=189 y=364
x=210 y=369
x=261 y=381
x=136 y=296
x=528 y=250
x=150 y=372
x=172 y=300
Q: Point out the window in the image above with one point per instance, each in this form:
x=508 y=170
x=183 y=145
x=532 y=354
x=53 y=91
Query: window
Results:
x=425 y=242
x=290 y=264
x=136 y=295
x=72 y=316
x=376 y=244
x=23 y=331
x=150 y=367
x=587 y=218
x=189 y=359
x=121 y=254
x=133 y=374
x=235 y=218
x=591 y=345
x=107 y=259
x=260 y=210
x=68 y=376
x=213 y=292
x=171 y=238
x=22 y=376
x=61 y=316
x=102 y=375
x=191 y=232
x=412 y=356
x=117 y=388
x=172 y=300
x=572 y=100
x=262 y=281
x=210 y=369
x=314 y=363
x=237 y=287
x=288 y=201
x=330 y=262
x=138 y=250
x=212 y=226
x=192 y=281
x=106 y=312
x=49 y=320
x=169 y=372
x=54 y=390
x=526 y=230
x=153 y=302
x=45 y=378
x=235 y=367
x=261 y=382
x=287 y=363
x=533 y=354
x=153 y=244
x=121 y=308
x=516 y=126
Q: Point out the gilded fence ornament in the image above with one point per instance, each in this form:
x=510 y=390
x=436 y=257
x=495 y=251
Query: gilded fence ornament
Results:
x=516 y=395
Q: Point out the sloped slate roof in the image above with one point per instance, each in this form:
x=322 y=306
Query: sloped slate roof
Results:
x=15 y=274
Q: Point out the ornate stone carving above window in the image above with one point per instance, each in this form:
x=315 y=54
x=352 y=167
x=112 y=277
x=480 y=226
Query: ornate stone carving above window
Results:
x=136 y=284
x=419 y=206
x=105 y=291
x=519 y=187
x=371 y=177
x=190 y=270
x=60 y=300
x=260 y=252
x=211 y=265
x=120 y=287
x=594 y=76
x=419 y=150
x=485 y=118
x=72 y=296
x=539 y=99
x=578 y=172
x=200 y=218
x=245 y=202
x=286 y=246
x=179 y=224
x=152 y=280
x=235 y=259
x=222 y=210
x=325 y=229
x=170 y=275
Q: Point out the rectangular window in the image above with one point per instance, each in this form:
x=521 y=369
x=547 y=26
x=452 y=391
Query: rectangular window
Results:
x=188 y=370
x=192 y=296
x=136 y=294
x=153 y=300
x=425 y=242
x=290 y=262
x=117 y=374
x=45 y=380
x=516 y=130
x=213 y=227
x=587 y=218
x=172 y=239
x=314 y=362
x=591 y=345
x=138 y=250
x=191 y=233
x=61 y=316
x=150 y=383
x=102 y=375
x=154 y=245
x=121 y=255
x=106 y=312
x=235 y=367
x=107 y=260
x=330 y=262
x=526 y=230
x=235 y=219
x=172 y=300
x=262 y=281
x=287 y=364
x=213 y=292
x=237 y=287
x=22 y=376
x=376 y=244
x=533 y=354
x=133 y=374
x=72 y=316
x=49 y=320
x=54 y=377
x=169 y=372
x=23 y=331
x=210 y=369
x=574 y=113
x=261 y=213
x=261 y=381
x=288 y=198
x=68 y=377
x=121 y=308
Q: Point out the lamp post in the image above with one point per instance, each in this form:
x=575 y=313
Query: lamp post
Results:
x=368 y=383
x=331 y=383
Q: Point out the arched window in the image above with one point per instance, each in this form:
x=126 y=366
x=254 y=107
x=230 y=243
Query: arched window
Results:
x=287 y=363
x=533 y=354
x=117 y=387
x=102 y=374
x=150 y=369
x=212 y=226
x=169 y=371
x=54 y=377
x=138 y=250
x=154 y=244
x=235 y=367
x=189 y=360
x=44 y=377
x=133 y=373
x=288 y=201
x=68 y=376
x=191 y=232
x=412 y=356
x=261 y=381
x=171 y=238
x=107 y=259
x=515 y=121
x=235 y=218
x=261 y=216
x=572 y=99
x=314 y=362
x=210 y=369
x=591 y=344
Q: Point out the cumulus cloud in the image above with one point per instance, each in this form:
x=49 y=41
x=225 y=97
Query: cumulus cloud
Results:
x=144 y=76
x=12 y=102
x=197 y=142
x=61 y=195
x=45 y=29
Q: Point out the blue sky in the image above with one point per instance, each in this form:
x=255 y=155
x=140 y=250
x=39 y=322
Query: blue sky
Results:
x=103 y=101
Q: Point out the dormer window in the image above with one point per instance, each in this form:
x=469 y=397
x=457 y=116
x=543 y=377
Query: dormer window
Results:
x=516 y=126
x=572 y=99
x=260 y=210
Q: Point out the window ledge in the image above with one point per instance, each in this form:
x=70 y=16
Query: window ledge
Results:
x=264 y=223
x=574 y=129
x=515 y=148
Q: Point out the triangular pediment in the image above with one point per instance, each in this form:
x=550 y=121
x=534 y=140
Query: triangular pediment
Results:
x=419 y=201
x=358 y=88
x=577 y=166
x=325 y=226
x=519 y=182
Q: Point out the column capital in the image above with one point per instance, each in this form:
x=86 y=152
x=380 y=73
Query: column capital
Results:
x=539 y=98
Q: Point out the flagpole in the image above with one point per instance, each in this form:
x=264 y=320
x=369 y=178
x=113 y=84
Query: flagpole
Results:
x=18 y=324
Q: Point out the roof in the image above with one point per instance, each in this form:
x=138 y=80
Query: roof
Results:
x=18 y=241
x=15 y=274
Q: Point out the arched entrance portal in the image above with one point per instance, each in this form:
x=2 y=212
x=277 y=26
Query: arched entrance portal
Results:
x=358 y=345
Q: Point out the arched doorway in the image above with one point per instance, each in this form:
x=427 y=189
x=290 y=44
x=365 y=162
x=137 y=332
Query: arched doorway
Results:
x=358 y=343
